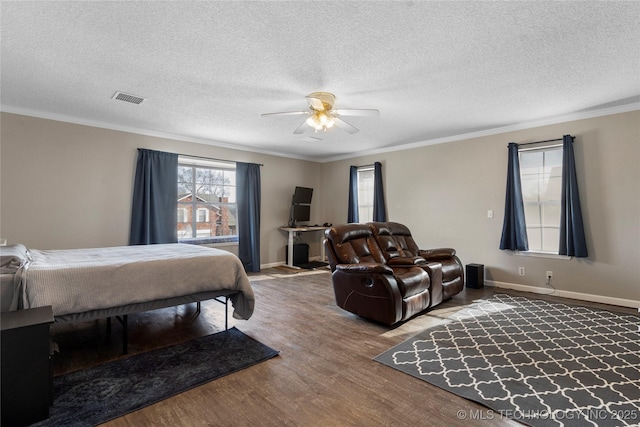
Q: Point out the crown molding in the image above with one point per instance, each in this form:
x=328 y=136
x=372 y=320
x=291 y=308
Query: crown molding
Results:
x=581 y=115
x=146 y=132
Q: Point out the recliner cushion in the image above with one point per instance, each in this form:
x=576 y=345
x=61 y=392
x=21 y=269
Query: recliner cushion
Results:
x=403 y=239
x=385 y=240
x=451 y=270
x=411 y=280
x=353 y=244
x=415 y=304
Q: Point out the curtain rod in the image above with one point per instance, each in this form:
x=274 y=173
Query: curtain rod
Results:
x=201 y=157
x=372 y=165
x=548 y=140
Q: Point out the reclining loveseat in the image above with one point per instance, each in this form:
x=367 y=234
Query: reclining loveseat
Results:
x=380 y=274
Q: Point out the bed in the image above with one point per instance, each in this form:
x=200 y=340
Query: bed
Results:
x=97 y=283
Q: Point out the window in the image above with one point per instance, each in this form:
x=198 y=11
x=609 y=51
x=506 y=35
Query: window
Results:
x=365 y=193
x=207 y=209
x=541 y=177
x=183 y=216
x=203 y=215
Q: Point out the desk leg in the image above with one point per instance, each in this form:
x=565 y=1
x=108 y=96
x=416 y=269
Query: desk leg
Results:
x=290 y=252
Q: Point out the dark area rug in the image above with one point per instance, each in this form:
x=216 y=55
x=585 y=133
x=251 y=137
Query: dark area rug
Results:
x=540 y=363
x=312 y=265
x=98 y=394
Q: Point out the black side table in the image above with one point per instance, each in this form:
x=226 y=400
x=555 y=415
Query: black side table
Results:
x=27 y=370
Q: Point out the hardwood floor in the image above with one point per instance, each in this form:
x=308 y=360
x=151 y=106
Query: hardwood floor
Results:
x=324 y=375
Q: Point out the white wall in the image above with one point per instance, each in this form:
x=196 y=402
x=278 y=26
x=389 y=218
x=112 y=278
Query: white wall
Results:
x=65 y=186
x=443 y=192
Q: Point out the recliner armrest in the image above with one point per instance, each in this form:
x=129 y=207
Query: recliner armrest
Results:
x=406 y=261
x=436 y=254
x=364 y=268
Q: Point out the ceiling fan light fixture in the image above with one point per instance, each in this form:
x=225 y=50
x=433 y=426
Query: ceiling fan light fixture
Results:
x=320 y=121
x=322 y=116
x=311 y=121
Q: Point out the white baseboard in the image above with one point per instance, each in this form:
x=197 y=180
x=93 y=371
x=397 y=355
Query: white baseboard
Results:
x=565 y=294
x=277 y=264
x=272 y=265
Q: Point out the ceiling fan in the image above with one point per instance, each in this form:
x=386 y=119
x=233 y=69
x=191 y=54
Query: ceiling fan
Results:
x=322 y=115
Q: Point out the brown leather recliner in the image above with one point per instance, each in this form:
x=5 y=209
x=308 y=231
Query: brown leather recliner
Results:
x=403 y=243
x=366 y=283
x=379 y=273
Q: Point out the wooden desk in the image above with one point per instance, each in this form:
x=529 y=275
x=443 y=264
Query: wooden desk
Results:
x=292 y=233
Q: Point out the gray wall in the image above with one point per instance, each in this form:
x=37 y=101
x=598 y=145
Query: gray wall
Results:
x=69 y=186
x=443 y=192
x=66 y=186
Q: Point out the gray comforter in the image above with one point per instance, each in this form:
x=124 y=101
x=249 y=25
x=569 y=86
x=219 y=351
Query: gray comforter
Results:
x=81 y=280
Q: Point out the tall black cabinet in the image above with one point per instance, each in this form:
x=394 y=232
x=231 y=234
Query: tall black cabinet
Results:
x=27 y=370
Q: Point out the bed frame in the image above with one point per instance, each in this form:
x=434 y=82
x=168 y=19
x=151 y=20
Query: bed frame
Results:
x=121 y=313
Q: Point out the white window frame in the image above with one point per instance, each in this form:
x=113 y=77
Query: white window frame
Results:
x=539 y=252
x=365 y=204
x=206 y=214
x=184 y=215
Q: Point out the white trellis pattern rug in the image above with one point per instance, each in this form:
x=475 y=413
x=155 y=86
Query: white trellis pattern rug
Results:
x=541 y=363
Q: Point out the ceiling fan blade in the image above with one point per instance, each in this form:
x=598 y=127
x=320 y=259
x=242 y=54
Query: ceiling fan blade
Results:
x=315 y=103
x=286 y=113
x=345 y=126
x=300 y=129
x=369 y=112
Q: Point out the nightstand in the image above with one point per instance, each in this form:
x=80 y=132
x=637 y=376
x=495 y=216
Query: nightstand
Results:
x=27 y=365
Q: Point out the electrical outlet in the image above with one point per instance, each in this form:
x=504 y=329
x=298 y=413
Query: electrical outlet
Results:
x=490 y=213
x=521 y=271
x=549 y=274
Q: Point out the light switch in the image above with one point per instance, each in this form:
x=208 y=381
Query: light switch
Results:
x=490 y=213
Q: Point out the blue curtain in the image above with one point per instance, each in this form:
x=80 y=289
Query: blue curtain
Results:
x=155 y=199
x=248 y=199
x=352 y=214
x=514 y=231
x=379 y=208
x=572 y=238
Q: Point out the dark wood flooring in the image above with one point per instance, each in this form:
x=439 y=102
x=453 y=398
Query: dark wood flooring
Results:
x=324 y=375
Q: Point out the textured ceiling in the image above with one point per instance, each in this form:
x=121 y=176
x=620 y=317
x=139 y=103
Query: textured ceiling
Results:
x=435 y=70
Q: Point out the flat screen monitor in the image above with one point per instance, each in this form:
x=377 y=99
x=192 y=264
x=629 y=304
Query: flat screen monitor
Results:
x=302 y=195
x=301 y=213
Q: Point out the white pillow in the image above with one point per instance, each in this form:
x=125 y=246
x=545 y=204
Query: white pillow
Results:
x=12 y=257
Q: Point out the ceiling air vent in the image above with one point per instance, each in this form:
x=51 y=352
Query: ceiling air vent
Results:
x=127 y=97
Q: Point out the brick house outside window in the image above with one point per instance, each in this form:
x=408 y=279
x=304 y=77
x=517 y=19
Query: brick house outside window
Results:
x=213 y=216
